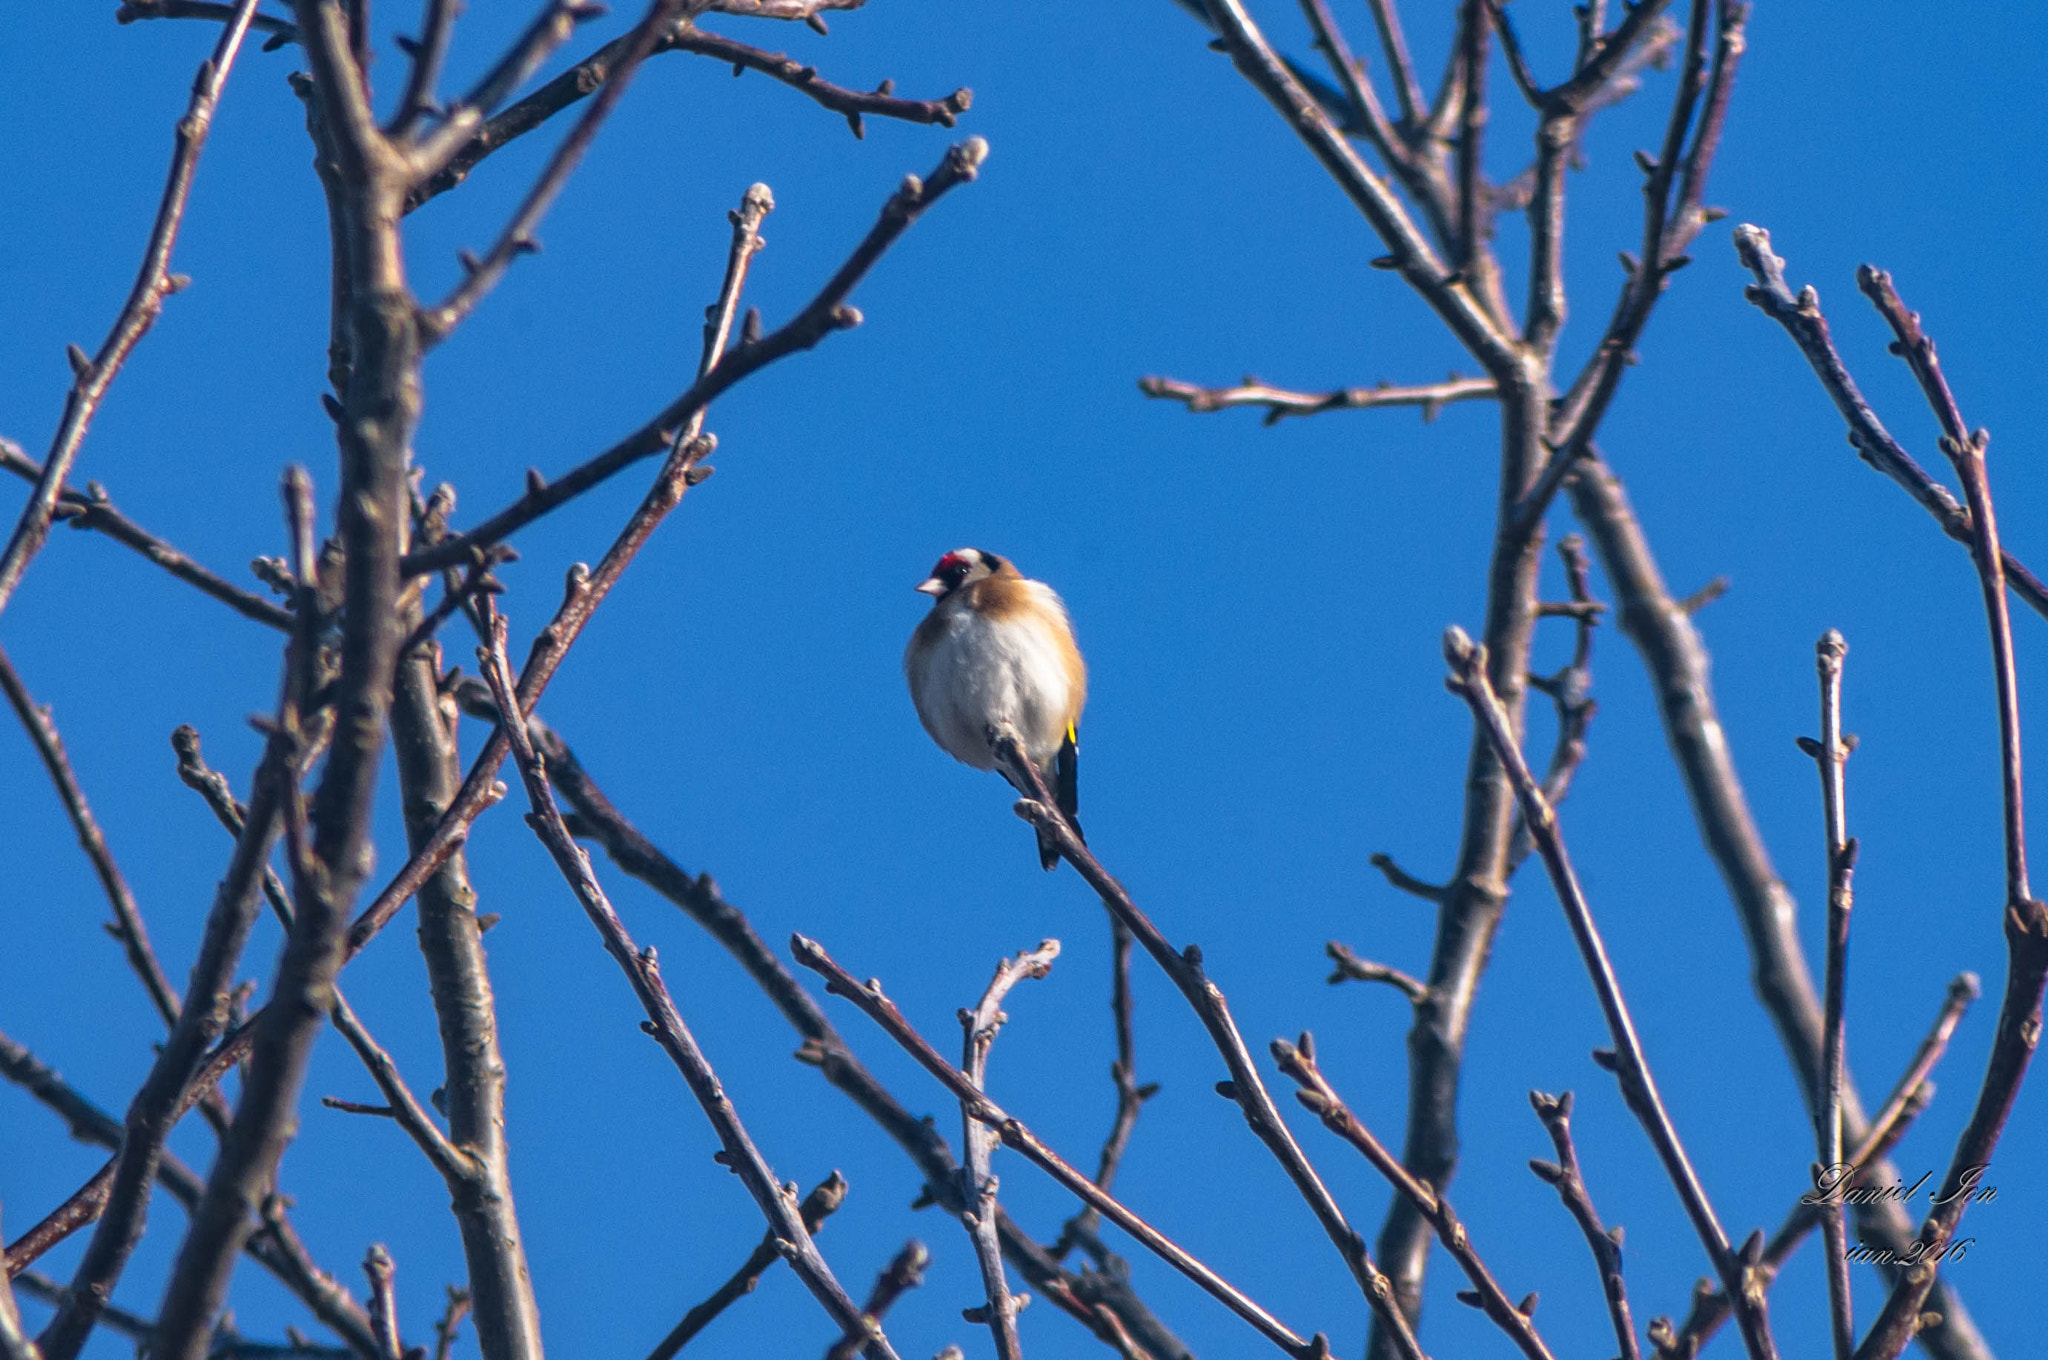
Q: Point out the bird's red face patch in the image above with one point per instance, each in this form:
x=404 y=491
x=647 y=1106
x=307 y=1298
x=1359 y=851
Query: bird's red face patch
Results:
x=952 y=561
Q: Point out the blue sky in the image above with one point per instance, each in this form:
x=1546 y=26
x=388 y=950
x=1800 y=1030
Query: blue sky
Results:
x=1261 y=611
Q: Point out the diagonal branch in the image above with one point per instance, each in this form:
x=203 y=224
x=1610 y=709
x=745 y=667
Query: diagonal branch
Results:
x=1674 y=186
x=1563 y=1175
x=277 y=1249
x=128 y=927
x=90 y=509
x=579 y=81
x=1245 y=1087
x=1448 y=293
x=1639 y=1088
x=121 y=1202
x=1318 y=1097
x=1667 y=639
x=826 y=313
x=778 y=1204
x=879 y=1008
x=904 y=1273
x=153 y=283
x=823 y=1201
x=435 y=323
x=1804 y=322
x=1100 y=1301
x=1887 y=1127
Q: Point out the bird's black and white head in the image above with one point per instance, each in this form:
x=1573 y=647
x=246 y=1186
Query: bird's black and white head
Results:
x=961 y=567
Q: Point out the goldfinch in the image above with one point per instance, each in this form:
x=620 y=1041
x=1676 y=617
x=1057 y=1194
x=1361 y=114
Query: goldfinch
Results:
x=998 y=648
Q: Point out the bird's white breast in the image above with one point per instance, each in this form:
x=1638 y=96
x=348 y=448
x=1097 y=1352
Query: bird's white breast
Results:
x=978 y=671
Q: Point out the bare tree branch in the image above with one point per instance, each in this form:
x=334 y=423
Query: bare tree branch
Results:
x=128 y=927
x=904 y=1273
x=589 y=75
x=778 y=1203
x=1802 y=319
x=826 y=313
x=1831 y=754
x=121 y=1202
x=277 y=1249
x=1563 y=1175
x=1318 y=1097
x=1101 y=1301
x=227 y=1343
x=1279 y=403
x=980 y=1026
x=1351 y=968
x=1669 y=643
x=825 y=1198
x=517 y=238
x=1184 y=969
x=90 y=509
x=1639 y=1089
x=882 y=1011
x=92 y=377
x=1887 y=1127
x=2026 y=920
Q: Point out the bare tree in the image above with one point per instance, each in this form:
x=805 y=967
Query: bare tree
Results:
x=365 y=634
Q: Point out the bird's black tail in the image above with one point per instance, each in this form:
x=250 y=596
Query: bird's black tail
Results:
x=1066 y=791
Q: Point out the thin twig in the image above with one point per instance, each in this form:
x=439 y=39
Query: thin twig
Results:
x=904 y=1273
x=1831 y=754
x=580 y=80
x=450 y=1320
x=1387 y=18
x=824 y=314
x=1444 y=289
x=226 y=1344
x=1298 y=1060
x=1563 y=1175
x=548 y=31
x=1669 y=644
x=1400 y=878
x=90 y=509
x=278 y=1249
x=1351 y=968
x=121 y=1200
x=1803 y=320
x=1511 y=48
x=128 y=927
x=1280 y=403
x=1908 y=1098
x=1639 y=1089
x=1357 y=86
x=879 y=1008
x=1130 y=1096
x=586 y=590
x=1570 y=691
x=153 y=283
x=825 y=1198
x=778 y=1204
x=428 y=52
x=2026 y=920
x=383 y=1276
x=517 y=238
x=455 y=1165
x=980 y=1026
x=1674 y=186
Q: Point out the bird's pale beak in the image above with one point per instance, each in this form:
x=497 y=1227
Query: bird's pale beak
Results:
x=931 y=586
